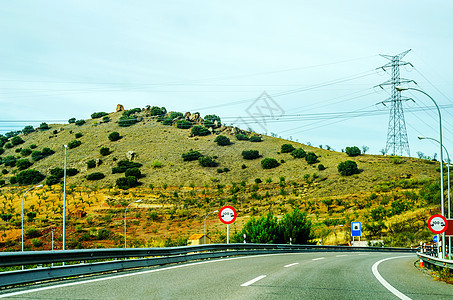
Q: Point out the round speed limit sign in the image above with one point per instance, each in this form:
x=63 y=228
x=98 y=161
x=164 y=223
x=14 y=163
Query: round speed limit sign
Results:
x=227 y=214
x=437 y=224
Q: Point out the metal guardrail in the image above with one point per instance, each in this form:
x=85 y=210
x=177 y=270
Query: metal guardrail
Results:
x=142 y=257
x=446 y=263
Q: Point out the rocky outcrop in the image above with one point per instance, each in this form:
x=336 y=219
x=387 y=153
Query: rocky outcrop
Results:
x=131 y=155
x=119 y=107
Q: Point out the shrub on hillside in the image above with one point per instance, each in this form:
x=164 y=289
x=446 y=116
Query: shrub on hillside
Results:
x=250 y=154
x=95 y=176
x=174 y=114
x=183 y=124
x=207 y=161
x=242 y=137
x=222 y=140
x=126 y=121
x=43 y=126
x=33 y=146
x=80 y=122
x=78 y=135
x=321 y=167
x=57 y=172
x=9 y=161
x=29 y=177
x=287 y=148
x=123 y=165
x=17 y=140
x=52 y=180
x=36 y=155
x=2 y=150
x=210 y=120
x=91 y=164
x=125 y=183
x=348 y=168
x=71 y=171
x=104 y=151
x=24 y=152
x=28 y=129
x=47 y=152
x=298 y=153
x=255 y=139
x=158 y=111
x=191 y=155
x=133 y=172
x=353 y=151
x=23 y=164
x=72 y=120
x=97 y=115
x=114 y=136
x=311 y=158
x=269 y=163
x=199 y=130
x=105 y=119
x=8 y=145
x=74 y=144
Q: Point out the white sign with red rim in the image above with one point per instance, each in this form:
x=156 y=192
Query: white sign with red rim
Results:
x=437 y=224
x=227 y=215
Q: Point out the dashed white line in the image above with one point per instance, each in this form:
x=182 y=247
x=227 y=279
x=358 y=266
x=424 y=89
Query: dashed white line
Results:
x=253 y=280
x=290 y=265
x=318 y=258
x=342 y=255
x=384 y=282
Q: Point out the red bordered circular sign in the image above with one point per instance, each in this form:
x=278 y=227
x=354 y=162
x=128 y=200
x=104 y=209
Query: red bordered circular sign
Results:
x=437 y=224
x=227 y=215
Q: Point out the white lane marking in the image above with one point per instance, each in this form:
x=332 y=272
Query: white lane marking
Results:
x=342 y=255
x=318 y=258
x=364 y=254
x=384 y=282
x=290 y=265
x=131 y=274
x=253 y=280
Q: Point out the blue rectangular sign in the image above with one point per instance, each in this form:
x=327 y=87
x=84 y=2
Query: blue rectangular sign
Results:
x=356 y=228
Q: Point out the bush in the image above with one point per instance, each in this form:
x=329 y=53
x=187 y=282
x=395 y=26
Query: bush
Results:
x=74 y=144
x=348 y=168
x=311 y=158
x=158 y=111
x=9 y=161
x=209 y=120
x=43 y=126
x=24 y=152
x=191 y=155
x=287 y=148
x=298 y=153
x=47 y=152
x=97 y=115
x=57 y=172
x=78 y=135
x=80 y=122
x=250 y=154
x=200 y=130
x=23 y=164
x=52 y=180
x=156 y=164
x=242 y=137
x=125 y=183
x=183 y=124
x=106 y=119
x=13 y=180
x=71 y=171
x=2 y=150
x=174 y=114
x=16 y=140
x=207 y=161
x=2 y=182
x=5 y=171
x=8 y=145
x=255 y=139
x=353 y=151
x=36 y=155
x=28 y=129
x=114 y=136
x=33 y=146
x=321 y=167
x=133 y=172
x=72 y=120
x=126 y=121
x=222 y=140
x=95 y=176
x=104 y=151
x=91 y=164
x=29 y=177
x=269 y=163
x=123 y=165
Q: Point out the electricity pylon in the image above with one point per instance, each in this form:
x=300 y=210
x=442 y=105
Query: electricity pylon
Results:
x=397 y=142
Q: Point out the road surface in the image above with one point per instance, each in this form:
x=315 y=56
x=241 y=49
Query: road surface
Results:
x=331 y=275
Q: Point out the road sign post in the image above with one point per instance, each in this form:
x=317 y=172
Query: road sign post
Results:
x=227 y=215
x=356 y=230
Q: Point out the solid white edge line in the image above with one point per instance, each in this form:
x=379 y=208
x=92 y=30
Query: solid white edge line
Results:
x=342 y=255
x=318 y=258
x=131 y=274
x=253 y=280
x=290 y=265
x=387 y=285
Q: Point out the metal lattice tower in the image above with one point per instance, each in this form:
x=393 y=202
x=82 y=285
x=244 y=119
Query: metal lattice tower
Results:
x=397 y=142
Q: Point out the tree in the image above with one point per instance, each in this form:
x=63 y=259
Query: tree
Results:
x=287 y=148
x=262 y=230
x=296 y=226
x=183 y=124
x=114 y=136
x=365 y=149
x=28 y=129
x=95 y=176
x=199 y=130
x=23 y=164
x=72 y=120
x=191 y=155
x=348 y=168
x=9 y=161
x=44 y=126
x=210 y=120
x=298 y=153
x=91 y=164
x=222 y=140
x=269 y=163
x=16 y=140
x=133 y=172
x=73 y=144
x=158 y=111
x=97 y=115
x=29 y=177
x=79 y=122
x=242 y=137
x=104 y=151
x=125 y=183
x=311 y=158
x=353 y=151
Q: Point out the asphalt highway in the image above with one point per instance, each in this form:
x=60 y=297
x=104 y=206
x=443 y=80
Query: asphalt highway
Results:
x=332 y=275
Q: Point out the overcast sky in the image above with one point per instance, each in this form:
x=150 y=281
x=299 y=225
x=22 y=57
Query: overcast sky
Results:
x=316 y=61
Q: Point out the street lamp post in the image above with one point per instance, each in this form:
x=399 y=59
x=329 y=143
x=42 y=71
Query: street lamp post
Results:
x=125 y=211
x=205 y=224
x=64 y=197
x=23 y=197
x=401 y=88
x=448 y=185
x=333 y=243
